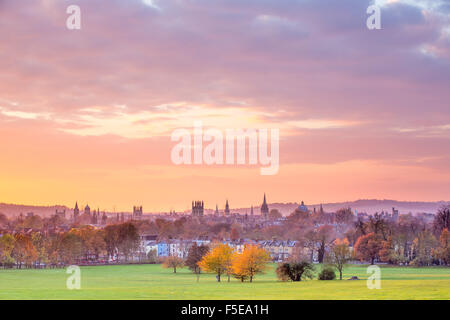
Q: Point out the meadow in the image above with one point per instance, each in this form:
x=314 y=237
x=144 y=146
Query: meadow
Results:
x=155 y=282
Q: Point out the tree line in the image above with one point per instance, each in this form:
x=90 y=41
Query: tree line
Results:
x=83 y=245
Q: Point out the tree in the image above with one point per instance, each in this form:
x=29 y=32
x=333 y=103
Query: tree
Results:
x=3 y=219
x=93 y=242
x=39 y=242
x=195 y=255
x=367 y=247
x=442 y=220
x=423 y=248
x=251 y=261
x=6 y=246
x=344 y=216
x=442 y=253
x=24 y=251
x=128 y=241
x=173 y=262
x=324 y=235
x=295 y=270
x=111 y=237
x=310 y=242
x=218 y=260
x=70 y=248
x=33 y=222
x=234 y=234
x=378 y=225
x=340 y=254
x=327 y=273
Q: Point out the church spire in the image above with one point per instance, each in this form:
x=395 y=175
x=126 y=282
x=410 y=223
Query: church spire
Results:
x=227 y=208
x=265 y=208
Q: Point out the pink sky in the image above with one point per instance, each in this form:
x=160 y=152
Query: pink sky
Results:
x=87 y=115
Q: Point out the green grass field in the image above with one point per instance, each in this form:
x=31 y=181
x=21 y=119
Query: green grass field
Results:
x=154 y=282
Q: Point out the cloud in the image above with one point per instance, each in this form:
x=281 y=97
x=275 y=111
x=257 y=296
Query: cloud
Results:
x=337 y=91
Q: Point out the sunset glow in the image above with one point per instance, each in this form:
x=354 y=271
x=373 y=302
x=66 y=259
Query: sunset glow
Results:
x=87 y=115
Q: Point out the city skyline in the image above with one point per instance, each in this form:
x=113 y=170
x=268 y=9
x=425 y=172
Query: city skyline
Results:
x=88 y=114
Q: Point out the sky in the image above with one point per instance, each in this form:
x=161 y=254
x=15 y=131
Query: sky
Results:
x=87 y=115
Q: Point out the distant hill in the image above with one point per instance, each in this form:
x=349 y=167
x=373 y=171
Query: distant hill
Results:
x=369 y=206
x=43 y=211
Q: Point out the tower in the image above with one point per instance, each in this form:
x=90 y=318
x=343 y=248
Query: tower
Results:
x=251 y=211
x=216 y=213
x=227 y=208
x=76 y=211
x=265 y=208
x=137 y=212
x=87 y=210
x=197 y=208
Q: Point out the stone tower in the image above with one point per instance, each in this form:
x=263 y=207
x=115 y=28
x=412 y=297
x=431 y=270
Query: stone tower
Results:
x=197 y=208
x=265 y=208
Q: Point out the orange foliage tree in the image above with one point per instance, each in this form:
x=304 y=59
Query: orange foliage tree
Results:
x=367 y=247
x=252 y=261
x=218 y=260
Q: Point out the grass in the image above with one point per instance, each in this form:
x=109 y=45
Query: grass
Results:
x=154 y=282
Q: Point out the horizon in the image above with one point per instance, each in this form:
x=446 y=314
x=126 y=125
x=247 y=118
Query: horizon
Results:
x=256 y=207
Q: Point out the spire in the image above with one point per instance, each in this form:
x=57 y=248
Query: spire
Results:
x=227 y=208
x=265 y=208
x=76 y=205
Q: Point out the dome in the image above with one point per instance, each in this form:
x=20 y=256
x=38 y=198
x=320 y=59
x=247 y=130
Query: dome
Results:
x=302 y=207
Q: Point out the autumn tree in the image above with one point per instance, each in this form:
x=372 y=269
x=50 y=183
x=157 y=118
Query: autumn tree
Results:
x=70 y=248
x=423 y=248
x=111 y=238
x=92 y=240
x=128 y=239
x=121 y=239
x=442 y=253
x=173 y=262
x=218 y=260
x=24 y=251
x=6 y=247
x=378 y=225
x=234 y=234
x=251 y=261
x=340 y=254
x=367 y=247
x=33 y=222
x=195 y=255
x=344 y=217
x=40 y=243
x=442 y=220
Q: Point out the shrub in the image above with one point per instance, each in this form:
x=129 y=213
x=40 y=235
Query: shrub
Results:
x=295 y=270
x=327 y=273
